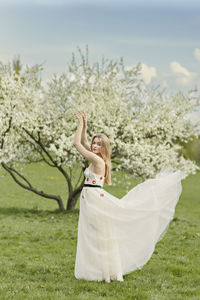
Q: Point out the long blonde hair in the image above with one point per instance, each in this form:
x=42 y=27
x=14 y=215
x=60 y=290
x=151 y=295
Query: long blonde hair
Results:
x=105 y=154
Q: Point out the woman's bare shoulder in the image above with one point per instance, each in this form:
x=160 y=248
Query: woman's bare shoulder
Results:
x=98 y=168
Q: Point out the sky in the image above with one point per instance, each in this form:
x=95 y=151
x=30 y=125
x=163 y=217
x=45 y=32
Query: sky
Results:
x=161 y=35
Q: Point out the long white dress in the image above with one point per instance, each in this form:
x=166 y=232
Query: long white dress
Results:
x=118 y=236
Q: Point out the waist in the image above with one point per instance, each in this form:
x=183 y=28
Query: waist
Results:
x=93 y=185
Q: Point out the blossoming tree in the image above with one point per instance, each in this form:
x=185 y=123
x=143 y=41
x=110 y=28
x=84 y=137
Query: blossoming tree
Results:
x=145 y=128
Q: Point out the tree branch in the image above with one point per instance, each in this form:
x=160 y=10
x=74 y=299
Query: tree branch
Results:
x=29 y=187
x=40 y=152
x=42 y=147
x=7 y=130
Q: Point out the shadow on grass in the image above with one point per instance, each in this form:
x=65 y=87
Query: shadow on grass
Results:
x=26 y=211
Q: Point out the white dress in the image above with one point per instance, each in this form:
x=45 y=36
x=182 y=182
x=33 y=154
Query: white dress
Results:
x=117 y=236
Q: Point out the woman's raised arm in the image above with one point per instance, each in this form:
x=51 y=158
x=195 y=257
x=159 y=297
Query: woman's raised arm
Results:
x=88 y=154
x=84 y=140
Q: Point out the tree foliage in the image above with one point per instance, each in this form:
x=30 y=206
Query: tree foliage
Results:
x=145 y=128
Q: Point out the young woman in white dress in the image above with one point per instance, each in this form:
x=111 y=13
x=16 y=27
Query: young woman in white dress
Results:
x=117 y=236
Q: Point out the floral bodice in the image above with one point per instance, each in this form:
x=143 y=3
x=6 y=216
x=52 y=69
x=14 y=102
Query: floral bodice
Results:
x=92 y=178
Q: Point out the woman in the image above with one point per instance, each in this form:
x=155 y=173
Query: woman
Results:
x=118 y=236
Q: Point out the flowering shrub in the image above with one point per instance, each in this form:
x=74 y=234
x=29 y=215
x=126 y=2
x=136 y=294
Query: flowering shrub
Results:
x=144 y=127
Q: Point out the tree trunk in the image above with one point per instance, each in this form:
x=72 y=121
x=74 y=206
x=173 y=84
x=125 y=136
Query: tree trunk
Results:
x=27 y=185
x=72 y=201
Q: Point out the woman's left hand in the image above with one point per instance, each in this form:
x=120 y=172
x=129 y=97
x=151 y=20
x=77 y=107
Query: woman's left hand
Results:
x=80 y=117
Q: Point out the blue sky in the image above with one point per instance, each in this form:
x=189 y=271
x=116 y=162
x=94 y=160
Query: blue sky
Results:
x=162 y=35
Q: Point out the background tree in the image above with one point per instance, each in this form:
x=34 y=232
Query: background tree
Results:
x=144 y=126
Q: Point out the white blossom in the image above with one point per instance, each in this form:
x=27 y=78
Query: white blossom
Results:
x=144 y=127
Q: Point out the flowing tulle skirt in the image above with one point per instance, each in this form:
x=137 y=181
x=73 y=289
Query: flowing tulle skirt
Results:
x=118 y=236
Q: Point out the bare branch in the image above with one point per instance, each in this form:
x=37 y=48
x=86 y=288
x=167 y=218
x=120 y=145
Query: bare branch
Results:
x=6 y=131
x=29 y=187
x=78 y=179
x=64 y=173
x=42 y=147
x=40 y=152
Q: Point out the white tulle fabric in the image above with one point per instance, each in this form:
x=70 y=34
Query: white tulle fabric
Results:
x=118 y=236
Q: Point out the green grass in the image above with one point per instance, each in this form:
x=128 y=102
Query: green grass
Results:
x=38 y=246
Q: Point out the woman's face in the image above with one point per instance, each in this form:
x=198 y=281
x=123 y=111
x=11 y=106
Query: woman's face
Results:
x=96 y=145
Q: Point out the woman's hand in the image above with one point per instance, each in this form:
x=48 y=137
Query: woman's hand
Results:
x=80 y=117
x=84 y=119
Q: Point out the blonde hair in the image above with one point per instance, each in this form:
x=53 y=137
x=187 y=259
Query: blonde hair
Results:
x=105 y=154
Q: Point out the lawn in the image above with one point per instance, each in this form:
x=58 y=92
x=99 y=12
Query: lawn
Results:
x=38 y=246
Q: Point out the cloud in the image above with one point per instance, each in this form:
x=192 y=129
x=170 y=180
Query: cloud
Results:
x=148 y=73
x=164 y=84
x=177 y=68
x=181 y=76
x=178 y=78
x=194 y=117
x=5 y=58
x=197 y=54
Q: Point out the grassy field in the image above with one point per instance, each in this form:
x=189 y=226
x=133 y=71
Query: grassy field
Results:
x=38 y=247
